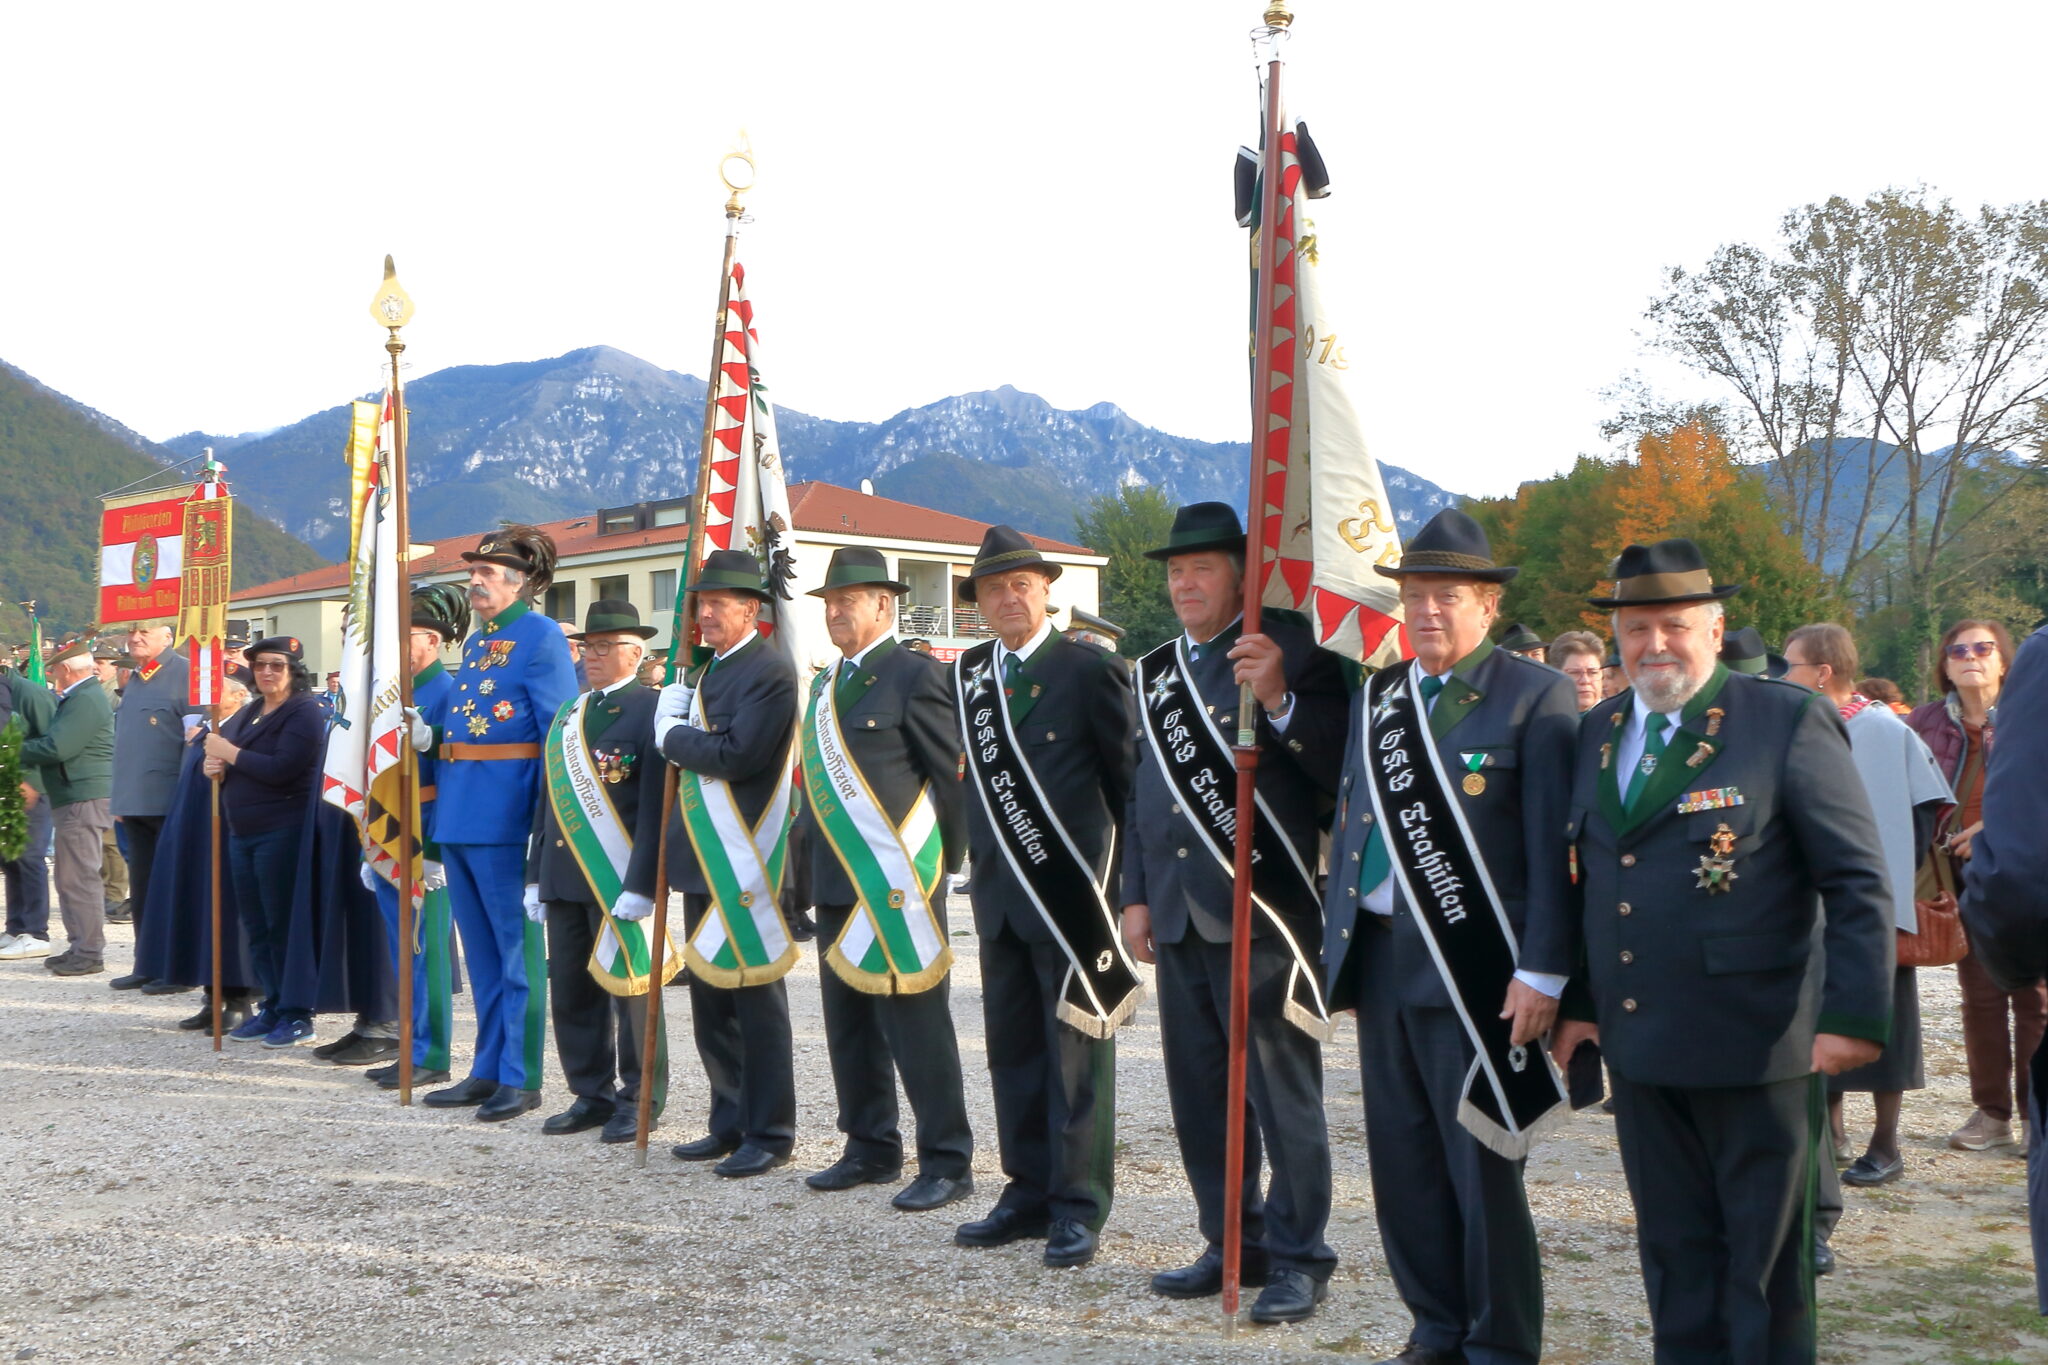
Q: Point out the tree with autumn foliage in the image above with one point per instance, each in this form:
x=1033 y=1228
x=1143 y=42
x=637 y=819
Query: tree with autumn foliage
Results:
x=1566 y=531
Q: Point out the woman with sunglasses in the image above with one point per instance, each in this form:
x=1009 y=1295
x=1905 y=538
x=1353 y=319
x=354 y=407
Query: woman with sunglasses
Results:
x=266 y=757
x=1997 y=1025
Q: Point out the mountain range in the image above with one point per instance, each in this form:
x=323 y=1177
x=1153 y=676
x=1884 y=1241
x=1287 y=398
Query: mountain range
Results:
x=543 y=439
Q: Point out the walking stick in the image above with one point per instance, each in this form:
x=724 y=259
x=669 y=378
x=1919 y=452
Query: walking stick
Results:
x=644 y=1120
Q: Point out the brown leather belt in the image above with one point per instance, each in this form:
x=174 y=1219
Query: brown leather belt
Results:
x=429 y=793
x=489 y=751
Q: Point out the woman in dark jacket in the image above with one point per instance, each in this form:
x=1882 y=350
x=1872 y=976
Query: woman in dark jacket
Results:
x=268 y=758
x=1997 y=1025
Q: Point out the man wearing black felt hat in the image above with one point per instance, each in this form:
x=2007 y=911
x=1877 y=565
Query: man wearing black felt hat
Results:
x=1737 y=931
x=1447 y=925
x=728 y=730
x=1046 y=772
x=884 y=827
x=1177 y=904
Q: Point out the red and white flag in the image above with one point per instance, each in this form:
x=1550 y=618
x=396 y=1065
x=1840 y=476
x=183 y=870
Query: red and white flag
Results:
x=141 y=552
x=206 y=582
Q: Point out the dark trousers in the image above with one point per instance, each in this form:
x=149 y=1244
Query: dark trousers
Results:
x=28 y=877
x=598 y=1035
x=2037 y=1173
x=743 y=1040
x=1283 y=1075
x=1723 y=1182
x=2001 y=1031
x=1454 y=1218
x=143 y=832
x=264 y=867
x=1055 y=1087
x=873 y=1038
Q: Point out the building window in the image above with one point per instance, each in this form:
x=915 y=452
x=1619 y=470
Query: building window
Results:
x=561 y=602
x=610 y=589
x=664 y=588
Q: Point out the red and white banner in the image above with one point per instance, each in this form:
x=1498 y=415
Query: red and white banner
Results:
x=142 y=557
x=206 y=582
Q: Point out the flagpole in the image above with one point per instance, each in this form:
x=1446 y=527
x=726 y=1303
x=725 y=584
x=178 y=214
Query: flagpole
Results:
x=686 y=618
x=392 y=309
x=1276 y=21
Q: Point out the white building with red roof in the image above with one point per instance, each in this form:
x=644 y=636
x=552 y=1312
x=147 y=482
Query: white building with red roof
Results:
x=636 y=553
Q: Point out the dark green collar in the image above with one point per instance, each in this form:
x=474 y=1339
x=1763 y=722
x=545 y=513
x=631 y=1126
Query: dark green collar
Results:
x=1463 y=668
x=875 y=651
x=429 y=673
x=1691 y=750
x=506 y=617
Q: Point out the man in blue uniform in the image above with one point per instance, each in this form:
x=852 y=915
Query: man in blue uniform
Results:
x=515 y=675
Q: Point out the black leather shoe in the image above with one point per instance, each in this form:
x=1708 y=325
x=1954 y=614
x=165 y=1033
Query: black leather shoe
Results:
x=1417 y=1354
x=461 y=1095
x=232 y=1016
x=1289 y=1296
x=362 y=1051
x=508 y=1103
x=387 y=1077
x=1003 y=1226
x=134 y=981
x=579 y=1117
x=120 y=913
x=1864 y=1171
x=1204 y=1277
x=850 y=1171
x=624 y=1124
x=750 y=1160
x=1823 y=1258
x=166 y=988
x=929 y=1192
x=1068 y=1242
x=326 y=1050
x=704 y=1149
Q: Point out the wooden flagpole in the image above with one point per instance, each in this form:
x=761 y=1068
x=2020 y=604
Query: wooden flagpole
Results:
x=1246 y=751
x=392 y=308
x=213 y=721
x=692 y=556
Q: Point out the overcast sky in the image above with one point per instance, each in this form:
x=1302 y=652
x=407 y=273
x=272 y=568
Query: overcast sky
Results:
x=200 y=196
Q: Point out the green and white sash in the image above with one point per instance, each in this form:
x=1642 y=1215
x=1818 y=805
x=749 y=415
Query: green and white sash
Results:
x=742 y=940
x=895 y=942
x=603 y=846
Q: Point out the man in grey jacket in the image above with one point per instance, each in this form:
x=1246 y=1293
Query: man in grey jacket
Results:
x=149 y=739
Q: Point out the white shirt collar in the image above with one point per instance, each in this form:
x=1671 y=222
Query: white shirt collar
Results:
x=743 y=642
x=1030 y=646
x=598 y=693
x=853 y=660
x=1192 y=643
x=1643 y=713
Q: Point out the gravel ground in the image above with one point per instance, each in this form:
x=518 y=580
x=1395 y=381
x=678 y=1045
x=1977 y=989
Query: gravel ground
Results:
x=159 y=1202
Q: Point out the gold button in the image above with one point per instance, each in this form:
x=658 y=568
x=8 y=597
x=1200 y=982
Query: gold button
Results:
x=558 y=843
x=1343 y=933
x=1050 y=735
x=871 y=723
x=1365 y=819
x=1628 y=860
x=1354 y=855
x=1625 y=909
x=1182 y=852
x=1628 y=1006
x=1627 y=957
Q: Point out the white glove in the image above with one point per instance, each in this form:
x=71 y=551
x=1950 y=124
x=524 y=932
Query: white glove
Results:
x=370 y=879
x=671 y=710
x=633 y=905
x=434 y=877
x=535 y=911
x=422 y=733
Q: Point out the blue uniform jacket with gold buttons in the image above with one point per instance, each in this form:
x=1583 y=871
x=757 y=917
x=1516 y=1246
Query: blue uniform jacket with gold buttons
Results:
x=515 y=675
x=432 y=691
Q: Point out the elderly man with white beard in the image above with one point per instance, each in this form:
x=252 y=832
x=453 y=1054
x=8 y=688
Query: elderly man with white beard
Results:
x=1738 y=945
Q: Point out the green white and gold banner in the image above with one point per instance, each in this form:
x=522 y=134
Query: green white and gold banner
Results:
x=742 y=940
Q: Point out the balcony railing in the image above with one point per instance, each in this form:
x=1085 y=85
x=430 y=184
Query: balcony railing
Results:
x=955 y=622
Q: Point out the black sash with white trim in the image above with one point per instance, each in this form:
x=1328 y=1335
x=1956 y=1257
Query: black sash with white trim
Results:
x=1102 y=989
x=1511 y=1093
x=1197 y=764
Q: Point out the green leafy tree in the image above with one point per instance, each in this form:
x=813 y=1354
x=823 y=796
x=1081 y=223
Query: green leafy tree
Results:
x=1121 y=527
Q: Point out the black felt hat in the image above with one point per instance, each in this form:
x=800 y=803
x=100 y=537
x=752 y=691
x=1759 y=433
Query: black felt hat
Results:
x=1453 y=544
x=1744 y=652
x=287 y=645
x=1519 y=637
x=1667 y=573
x=442 y=608
x=1202 y=526
x=857 y=566
x=614 y=616
x=525 y=548
x=1004 y=550
x=731 y=571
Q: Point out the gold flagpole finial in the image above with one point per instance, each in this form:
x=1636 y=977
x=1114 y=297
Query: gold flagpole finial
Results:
x=738 y=172
x=392 y=307
x=1278 y=15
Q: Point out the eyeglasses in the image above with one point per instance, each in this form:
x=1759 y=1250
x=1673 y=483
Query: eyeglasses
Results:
x=606 y=648
x=1584 y=674
x=1981 y=649
x=262 y=664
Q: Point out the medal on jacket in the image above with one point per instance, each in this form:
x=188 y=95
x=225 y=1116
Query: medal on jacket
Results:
x=1717 y=868
x=1475 y=781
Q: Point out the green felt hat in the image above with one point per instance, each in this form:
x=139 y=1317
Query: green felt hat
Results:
x=731 y=571
x=1005 y=549
x=857 y=566
x=614 y=616
x=1202 y=526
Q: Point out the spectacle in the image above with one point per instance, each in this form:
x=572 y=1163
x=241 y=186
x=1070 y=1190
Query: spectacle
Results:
x=1981 y=649
x=605 y=648
x=1592 y=672
x=269 y=663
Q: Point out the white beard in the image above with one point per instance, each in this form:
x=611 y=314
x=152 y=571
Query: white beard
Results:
x=1669 y=693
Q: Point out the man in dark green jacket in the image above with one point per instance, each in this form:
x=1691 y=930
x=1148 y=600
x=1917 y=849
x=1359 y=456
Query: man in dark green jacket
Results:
x=76 y=757
x=28 y=877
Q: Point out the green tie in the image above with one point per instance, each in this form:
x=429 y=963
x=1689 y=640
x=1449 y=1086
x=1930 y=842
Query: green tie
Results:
x=843 y=685
x=1013 y=681
x=1373 y=862
x=1653 y=749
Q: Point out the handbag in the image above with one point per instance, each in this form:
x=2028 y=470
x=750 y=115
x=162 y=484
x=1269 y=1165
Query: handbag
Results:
x=1940 y=942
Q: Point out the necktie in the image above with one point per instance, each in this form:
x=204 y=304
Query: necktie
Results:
x=1013 y=683
x=842 y=686
x=1373 y=862
x=1653 y=750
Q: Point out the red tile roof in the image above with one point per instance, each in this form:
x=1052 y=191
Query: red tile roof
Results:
x=813 y=506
